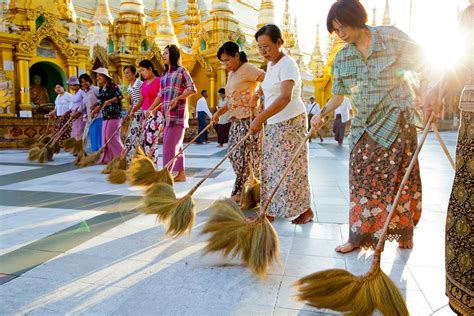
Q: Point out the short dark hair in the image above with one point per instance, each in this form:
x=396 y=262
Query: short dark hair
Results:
x=231 y=49
x=347 y=12
x=272 y=31
x=85 y=77
x=145 y=63
x=311 y=98
x=203 y=91
x=174 y=56
x=132 y=68
x=221 y=90
x=58 y=83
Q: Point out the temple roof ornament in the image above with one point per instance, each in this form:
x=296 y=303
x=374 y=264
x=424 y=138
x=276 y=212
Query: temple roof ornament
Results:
x=266 y=14
x=316 y=63
x=374 y=16
x=191 y=24
x=386 y=14
x=287 y=32
x=221 y=8
x=165 y=30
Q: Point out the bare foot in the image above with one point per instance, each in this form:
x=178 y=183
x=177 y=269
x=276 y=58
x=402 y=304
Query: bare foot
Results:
x=180 y=177
x=405 y=244
x=347 y=247
x=304 y=218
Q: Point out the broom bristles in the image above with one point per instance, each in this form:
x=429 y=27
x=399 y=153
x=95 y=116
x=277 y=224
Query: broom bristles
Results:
x=339 y=290
x=56 y=147
x=51 y=149
x=109 y=167
x=256 y=243
x=78 y=147
x=46 y=139
x=33 y=153
x=43 y=155
x=182 y=218
x=249 y=198
x=69 y=143
x=89 y=160
x=78 y=158
x=142 y=171
x=117 y=176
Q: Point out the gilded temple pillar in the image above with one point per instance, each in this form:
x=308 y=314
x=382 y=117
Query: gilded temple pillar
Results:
x=212 y=92
x=23 y=70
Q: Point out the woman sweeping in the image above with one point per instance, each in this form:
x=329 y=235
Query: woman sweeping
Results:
x=175 y=86
x=110 y=105
x=240 y=108
x=133 y=89
x=369 y=68
x=77 y=110
x=149 y=92
x=93 y=140
x=285 y=115
x=61 y=111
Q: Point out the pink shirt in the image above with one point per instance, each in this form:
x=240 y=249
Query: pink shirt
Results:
x=149 y=92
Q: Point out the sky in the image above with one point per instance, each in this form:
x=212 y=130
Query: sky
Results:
x=434 y=23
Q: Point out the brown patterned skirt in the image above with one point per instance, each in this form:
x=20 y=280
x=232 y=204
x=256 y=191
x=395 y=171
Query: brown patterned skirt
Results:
x=375 y=173
x=281 y=140
x=460 y=223
x=59 y=123
x=240 y=158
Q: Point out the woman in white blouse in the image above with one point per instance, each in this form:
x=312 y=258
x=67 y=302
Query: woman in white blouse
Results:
x=286 y=126
x=61 y=111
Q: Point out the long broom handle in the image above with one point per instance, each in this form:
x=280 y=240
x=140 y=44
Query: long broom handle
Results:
x=189 y=144
x=443 y=145
x=220 y=163
x=379 y=247
x=285 y=173
x=60 y=132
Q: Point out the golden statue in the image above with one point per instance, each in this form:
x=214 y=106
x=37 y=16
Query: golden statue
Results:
x=38 y=92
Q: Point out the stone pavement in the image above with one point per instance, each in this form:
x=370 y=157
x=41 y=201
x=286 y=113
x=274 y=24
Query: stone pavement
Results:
x=71 y=243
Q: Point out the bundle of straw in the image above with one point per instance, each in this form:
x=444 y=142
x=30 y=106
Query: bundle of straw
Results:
x=255 y=241
x=142 y=171
x=250 y=196
x=177 y=214
x=341 y=291
x=46 y=152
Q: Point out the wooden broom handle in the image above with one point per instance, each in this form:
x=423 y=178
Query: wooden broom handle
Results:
x=443 y=145
x=60 y=132
x=379 y=247
x=282 y=178
x=220 y=163
x=184 y=148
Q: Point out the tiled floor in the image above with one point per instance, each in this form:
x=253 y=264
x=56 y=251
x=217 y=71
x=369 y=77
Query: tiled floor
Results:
x=71 y=243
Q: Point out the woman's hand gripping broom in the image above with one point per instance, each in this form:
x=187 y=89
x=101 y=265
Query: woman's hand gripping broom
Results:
x=343 y=292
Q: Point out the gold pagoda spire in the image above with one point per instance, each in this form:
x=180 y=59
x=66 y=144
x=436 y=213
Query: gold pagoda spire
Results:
x=287 y=32
x=191 y=23
x=130 y=26
x=156 y=10
x=386 y=14
x=316 y=63
x=266 y=14
x=374 y=16
x=165 y=30
x=221 y=8
x=103 y=15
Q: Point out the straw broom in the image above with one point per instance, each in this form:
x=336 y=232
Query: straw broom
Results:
x=255 y=241
x=177 y=214
x=250 y=196
x=89 y=160
x=30 y=142
x=341 y=291
x=33 y=153
x=443 y=146
x=46 y=153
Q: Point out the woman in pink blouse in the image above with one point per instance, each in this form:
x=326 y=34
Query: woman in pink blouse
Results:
x=149 y=91
x=176 y=86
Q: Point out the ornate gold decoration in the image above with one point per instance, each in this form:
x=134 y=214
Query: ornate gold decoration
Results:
x=29 y=41
x=153 y=53
x=100 y=53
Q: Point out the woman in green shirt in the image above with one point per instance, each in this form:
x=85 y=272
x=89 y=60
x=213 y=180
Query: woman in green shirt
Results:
x=372 y=68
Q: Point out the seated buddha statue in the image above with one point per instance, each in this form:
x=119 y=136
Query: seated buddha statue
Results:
x=38 y=92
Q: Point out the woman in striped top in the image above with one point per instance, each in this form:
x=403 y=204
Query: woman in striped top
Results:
x=135 y=84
